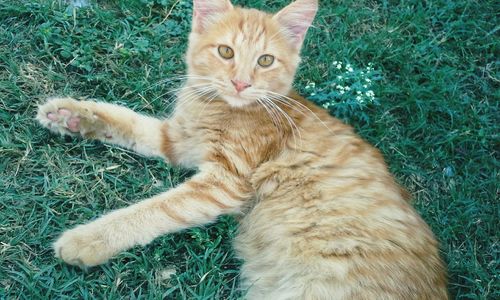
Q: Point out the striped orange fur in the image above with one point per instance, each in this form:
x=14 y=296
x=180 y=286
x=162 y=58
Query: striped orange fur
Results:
x=323 y=217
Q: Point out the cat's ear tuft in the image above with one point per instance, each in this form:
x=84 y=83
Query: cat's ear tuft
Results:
x=296 y=18
x=207 y=11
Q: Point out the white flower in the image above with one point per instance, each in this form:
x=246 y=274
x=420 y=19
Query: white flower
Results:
x=350 y=69
x=365 y=86
x=313 y=94
x=310 y=85
x=347 y=88
x=368 y=80
x=166 y=274
x=339 y=66
x=335 y=62
x=358 y=92
x=339 y=77
x=370 y=94
x=341 y=92
x=358 y=98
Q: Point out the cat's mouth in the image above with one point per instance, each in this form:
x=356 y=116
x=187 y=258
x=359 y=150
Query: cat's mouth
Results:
x=237 y=100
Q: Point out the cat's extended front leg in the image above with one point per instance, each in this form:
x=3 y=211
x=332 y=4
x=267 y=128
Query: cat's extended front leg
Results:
x=106 y=122
x=212 y=192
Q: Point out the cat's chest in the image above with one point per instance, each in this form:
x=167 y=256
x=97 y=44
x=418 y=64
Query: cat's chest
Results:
x=195 y=137
x=234 y=138
x=192 y=142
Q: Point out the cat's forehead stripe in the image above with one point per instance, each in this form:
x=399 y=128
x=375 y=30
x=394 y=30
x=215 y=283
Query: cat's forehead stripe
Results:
x=249 y=29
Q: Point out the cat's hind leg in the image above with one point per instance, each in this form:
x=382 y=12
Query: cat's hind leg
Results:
x=106 y=122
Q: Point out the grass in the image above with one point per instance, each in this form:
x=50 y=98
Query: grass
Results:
x=435 y=118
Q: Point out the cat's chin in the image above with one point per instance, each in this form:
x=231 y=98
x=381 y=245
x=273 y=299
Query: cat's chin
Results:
x=238 y=101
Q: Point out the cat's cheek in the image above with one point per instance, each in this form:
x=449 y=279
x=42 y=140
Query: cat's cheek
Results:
x=278 y=81
x=280 y=87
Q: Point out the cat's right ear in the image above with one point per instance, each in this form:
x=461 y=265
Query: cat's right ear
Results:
x=207 y=11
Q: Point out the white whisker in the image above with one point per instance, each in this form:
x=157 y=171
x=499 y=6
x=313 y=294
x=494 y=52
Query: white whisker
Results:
x=271 y=114
x=293 y=101
x=293 y=126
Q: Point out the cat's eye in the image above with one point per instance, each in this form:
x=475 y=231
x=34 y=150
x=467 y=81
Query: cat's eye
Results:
x=226 y=52
x=266 y=60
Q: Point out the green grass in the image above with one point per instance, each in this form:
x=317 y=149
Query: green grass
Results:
x=436 y=122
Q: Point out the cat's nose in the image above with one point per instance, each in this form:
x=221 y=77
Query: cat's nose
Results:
x=240 y=85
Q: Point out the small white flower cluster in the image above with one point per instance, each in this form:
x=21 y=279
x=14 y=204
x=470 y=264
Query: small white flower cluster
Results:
x=338 y=65
x=311 y=86
x=350 y=85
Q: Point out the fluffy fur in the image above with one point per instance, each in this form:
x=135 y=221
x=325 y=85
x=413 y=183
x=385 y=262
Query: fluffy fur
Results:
x=324 y=219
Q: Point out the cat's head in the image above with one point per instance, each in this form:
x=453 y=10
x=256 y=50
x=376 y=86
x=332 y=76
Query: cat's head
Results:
x=243 y=55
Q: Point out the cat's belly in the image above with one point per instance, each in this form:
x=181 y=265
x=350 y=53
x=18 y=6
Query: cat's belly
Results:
x=339 y=238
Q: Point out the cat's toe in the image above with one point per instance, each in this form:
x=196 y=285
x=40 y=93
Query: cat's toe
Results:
x=56 y=115
x=65 y=116
x=82 y=247
x=53 y=117
x=71 y=117
x=64 y=112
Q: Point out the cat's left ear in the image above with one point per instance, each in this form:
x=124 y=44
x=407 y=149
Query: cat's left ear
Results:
x=296 y=18
x=207 y=11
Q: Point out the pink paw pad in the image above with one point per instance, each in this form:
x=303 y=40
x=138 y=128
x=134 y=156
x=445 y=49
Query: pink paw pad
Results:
x=73 y=124
x=53 y=117
x=64 y=112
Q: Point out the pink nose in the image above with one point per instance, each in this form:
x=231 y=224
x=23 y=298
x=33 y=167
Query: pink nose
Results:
x=240 y=85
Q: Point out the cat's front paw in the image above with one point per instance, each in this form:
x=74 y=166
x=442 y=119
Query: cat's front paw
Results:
x=70 y=117
x=83 y=246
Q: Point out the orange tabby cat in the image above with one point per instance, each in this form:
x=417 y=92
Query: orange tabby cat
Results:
x=324 y=219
